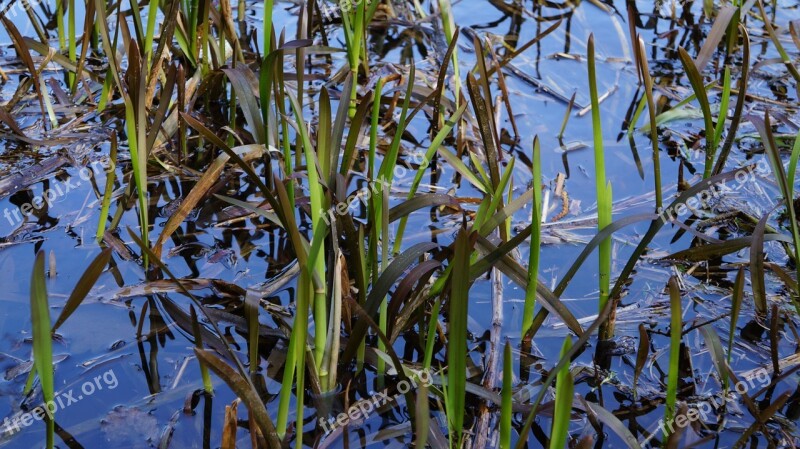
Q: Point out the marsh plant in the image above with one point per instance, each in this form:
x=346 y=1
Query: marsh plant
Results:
x=331 y=211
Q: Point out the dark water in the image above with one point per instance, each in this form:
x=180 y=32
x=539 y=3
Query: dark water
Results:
x=113 y=340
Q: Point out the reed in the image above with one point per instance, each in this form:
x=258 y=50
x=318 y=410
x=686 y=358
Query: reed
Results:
x=448 y=24
x=42 y=343
x=457 y=336
x=604 y=196
x=506 y=398
x=536 y=231
x=72 y=33
x=675 y=333
x=559 y=433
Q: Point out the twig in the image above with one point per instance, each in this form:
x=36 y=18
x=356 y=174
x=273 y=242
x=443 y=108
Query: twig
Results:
x=483 y=431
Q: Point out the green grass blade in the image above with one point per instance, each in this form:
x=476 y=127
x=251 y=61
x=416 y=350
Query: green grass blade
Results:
x=434 y=146
x=268 y=7
x=651 y=108
x=42 y=342
x=536 y=235
x=198 y=343
x=72 y=41
x=152 y=14
x=111 y=175
x=430 y=336
x=736 y=307
x=390 y=160
x=85 y=283
x=740 y=100
x=702 y=97
x=603 y=192
x=506 y=412
x=318 y=207
x=715 y=349
x=676 y=328
x=563 y=402
x=723 y=104
x=457 y=334
x=772 y=152
x=251 y=308
x=757 y=282
x=565 y=360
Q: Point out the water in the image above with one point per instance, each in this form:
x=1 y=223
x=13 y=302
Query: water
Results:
x=138 y=341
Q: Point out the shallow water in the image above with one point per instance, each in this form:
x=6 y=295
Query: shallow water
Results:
x=149 y=355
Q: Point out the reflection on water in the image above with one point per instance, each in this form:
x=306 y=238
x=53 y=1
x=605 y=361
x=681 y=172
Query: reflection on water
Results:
x=144 y=334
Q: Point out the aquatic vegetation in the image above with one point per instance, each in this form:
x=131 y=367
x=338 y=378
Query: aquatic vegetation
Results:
x=562 y=410
x=42 y=343
x=353 y=220
x=603 y=189
x=676 y=336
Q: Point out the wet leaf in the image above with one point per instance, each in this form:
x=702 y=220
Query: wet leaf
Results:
x=200 y=190
x=613 y=423
x=757 y=265
x=21 y=46
x=565 y=360
x=245 y=85
x=198 y=343
x=457 y=333
x=230 y=425
x=675 y=332
x=42 y=342
x=714 y=250
x=421 y=201
x=84 y=285
x=246 y=393
x=741 y=97
x=641 y=354
x=506 y=413
x=715 y=349
x=714 y=37
x=702 y=97
x=381 y=288
x=559 y=435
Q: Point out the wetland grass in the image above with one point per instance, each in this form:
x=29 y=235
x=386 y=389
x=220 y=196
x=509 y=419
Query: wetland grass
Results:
x=536 y=231
x=676 y=337
x=562 y=410
x=603 y=190
x=373 y=300
x=42 y=342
